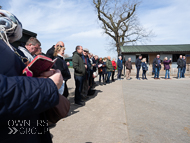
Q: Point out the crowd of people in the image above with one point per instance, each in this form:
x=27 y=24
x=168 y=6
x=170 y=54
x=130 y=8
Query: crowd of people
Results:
x=27 y=98
x=157 y=62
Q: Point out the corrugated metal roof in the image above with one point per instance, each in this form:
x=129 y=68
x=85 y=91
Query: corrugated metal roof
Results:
x=155 y=48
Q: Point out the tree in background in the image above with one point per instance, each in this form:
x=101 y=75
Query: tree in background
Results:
x=119 y=21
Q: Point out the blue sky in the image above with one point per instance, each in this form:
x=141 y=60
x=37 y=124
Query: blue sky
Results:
x=75 y=22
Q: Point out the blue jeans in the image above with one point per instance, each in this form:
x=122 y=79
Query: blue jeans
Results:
x=108 y=77
x=157 y=72
x=137 y=75
x=179 y=74
x=167 y=74
x=183 y=72
x=101 y=75
x=144 y=74
x=119 y=74
x=78 y=89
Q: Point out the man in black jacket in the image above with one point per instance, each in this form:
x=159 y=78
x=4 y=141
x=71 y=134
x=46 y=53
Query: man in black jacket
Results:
x=180 y=67
x=157 y=66
x=79 y=72
x=50 y=52
x=138 y=66
x=184 y=67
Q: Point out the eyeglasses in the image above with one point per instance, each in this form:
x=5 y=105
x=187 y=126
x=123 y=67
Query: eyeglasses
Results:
x=60 y=46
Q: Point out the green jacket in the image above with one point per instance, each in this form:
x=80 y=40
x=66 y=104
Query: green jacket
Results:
x=78 y=64
x=109 y=66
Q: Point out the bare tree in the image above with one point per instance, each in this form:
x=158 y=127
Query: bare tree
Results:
x=119 y=21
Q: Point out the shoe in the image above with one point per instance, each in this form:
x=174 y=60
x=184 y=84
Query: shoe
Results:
x=158 y=78
x=169 y=78
x=146 y=78
x=51 y=125
x=138 y=78
x=84 y=97
x=91 y=92
x=129 y=79
x=80 y=103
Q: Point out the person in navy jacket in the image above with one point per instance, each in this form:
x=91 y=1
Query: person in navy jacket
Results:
x=138 y=66
x=119 y=67
x=144 y=68
x=23 y=100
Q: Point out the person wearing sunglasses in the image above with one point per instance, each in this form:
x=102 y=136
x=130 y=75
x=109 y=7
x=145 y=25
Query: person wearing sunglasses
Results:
x=50 y=52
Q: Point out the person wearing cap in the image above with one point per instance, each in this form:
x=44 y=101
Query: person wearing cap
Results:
x=50 y=52
x=87 y=74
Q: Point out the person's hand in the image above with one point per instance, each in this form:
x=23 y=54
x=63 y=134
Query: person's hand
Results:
x=85 y=66
x=57 y=78
x=156 y=64
x=170 y=59
x=160 y=63
x=47 y=73
x=68 y=64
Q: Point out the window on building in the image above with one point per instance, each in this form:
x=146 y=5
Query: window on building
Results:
x=144 y=56
x=175 y=57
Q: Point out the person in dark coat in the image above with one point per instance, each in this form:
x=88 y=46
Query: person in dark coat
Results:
x=79 y=72
x=87 y=74
x=24 y=99
x=157 y=66
x=138 y=66
x=184 y=67
x=101 y=72
x=180 y=66
x=62 y=66
x=119 y=67
x=144 y=68
x=166 y=63
x=128 y=65
x=50 y=52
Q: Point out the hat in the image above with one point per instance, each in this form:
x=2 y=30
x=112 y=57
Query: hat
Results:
x=86 y=50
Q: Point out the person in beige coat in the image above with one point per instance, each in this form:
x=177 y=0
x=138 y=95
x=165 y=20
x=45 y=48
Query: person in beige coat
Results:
x=128 y=65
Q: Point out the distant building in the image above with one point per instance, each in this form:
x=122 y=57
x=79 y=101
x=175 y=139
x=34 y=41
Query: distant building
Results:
x=150 y=51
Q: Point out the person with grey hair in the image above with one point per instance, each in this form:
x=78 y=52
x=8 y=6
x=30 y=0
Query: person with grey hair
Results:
x=31 y=47
x=128 y=65
x=79 y=72
x=157 y=66
x=50 y=52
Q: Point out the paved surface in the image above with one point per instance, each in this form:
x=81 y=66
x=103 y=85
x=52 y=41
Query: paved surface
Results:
x=153 y=111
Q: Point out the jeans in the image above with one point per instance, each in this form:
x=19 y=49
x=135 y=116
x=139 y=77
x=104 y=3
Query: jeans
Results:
x=78 y=89
x=157 y=72
x=138 y=69
x=144 y=74
x=179 y=74
x=119 y=74
x=101 y=75
x=183 y=72
x=108 y=77
x=167 y=73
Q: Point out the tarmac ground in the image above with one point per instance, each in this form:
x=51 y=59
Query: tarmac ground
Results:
x=129 y=111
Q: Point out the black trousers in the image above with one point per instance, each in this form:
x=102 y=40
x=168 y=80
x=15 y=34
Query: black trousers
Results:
x=112 y=76
x=66 y=92
x=138 y=69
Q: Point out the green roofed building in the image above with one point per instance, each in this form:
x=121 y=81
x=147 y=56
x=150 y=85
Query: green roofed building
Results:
x=150 y=51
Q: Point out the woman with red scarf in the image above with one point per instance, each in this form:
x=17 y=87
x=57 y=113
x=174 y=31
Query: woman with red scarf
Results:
x=114 y=68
